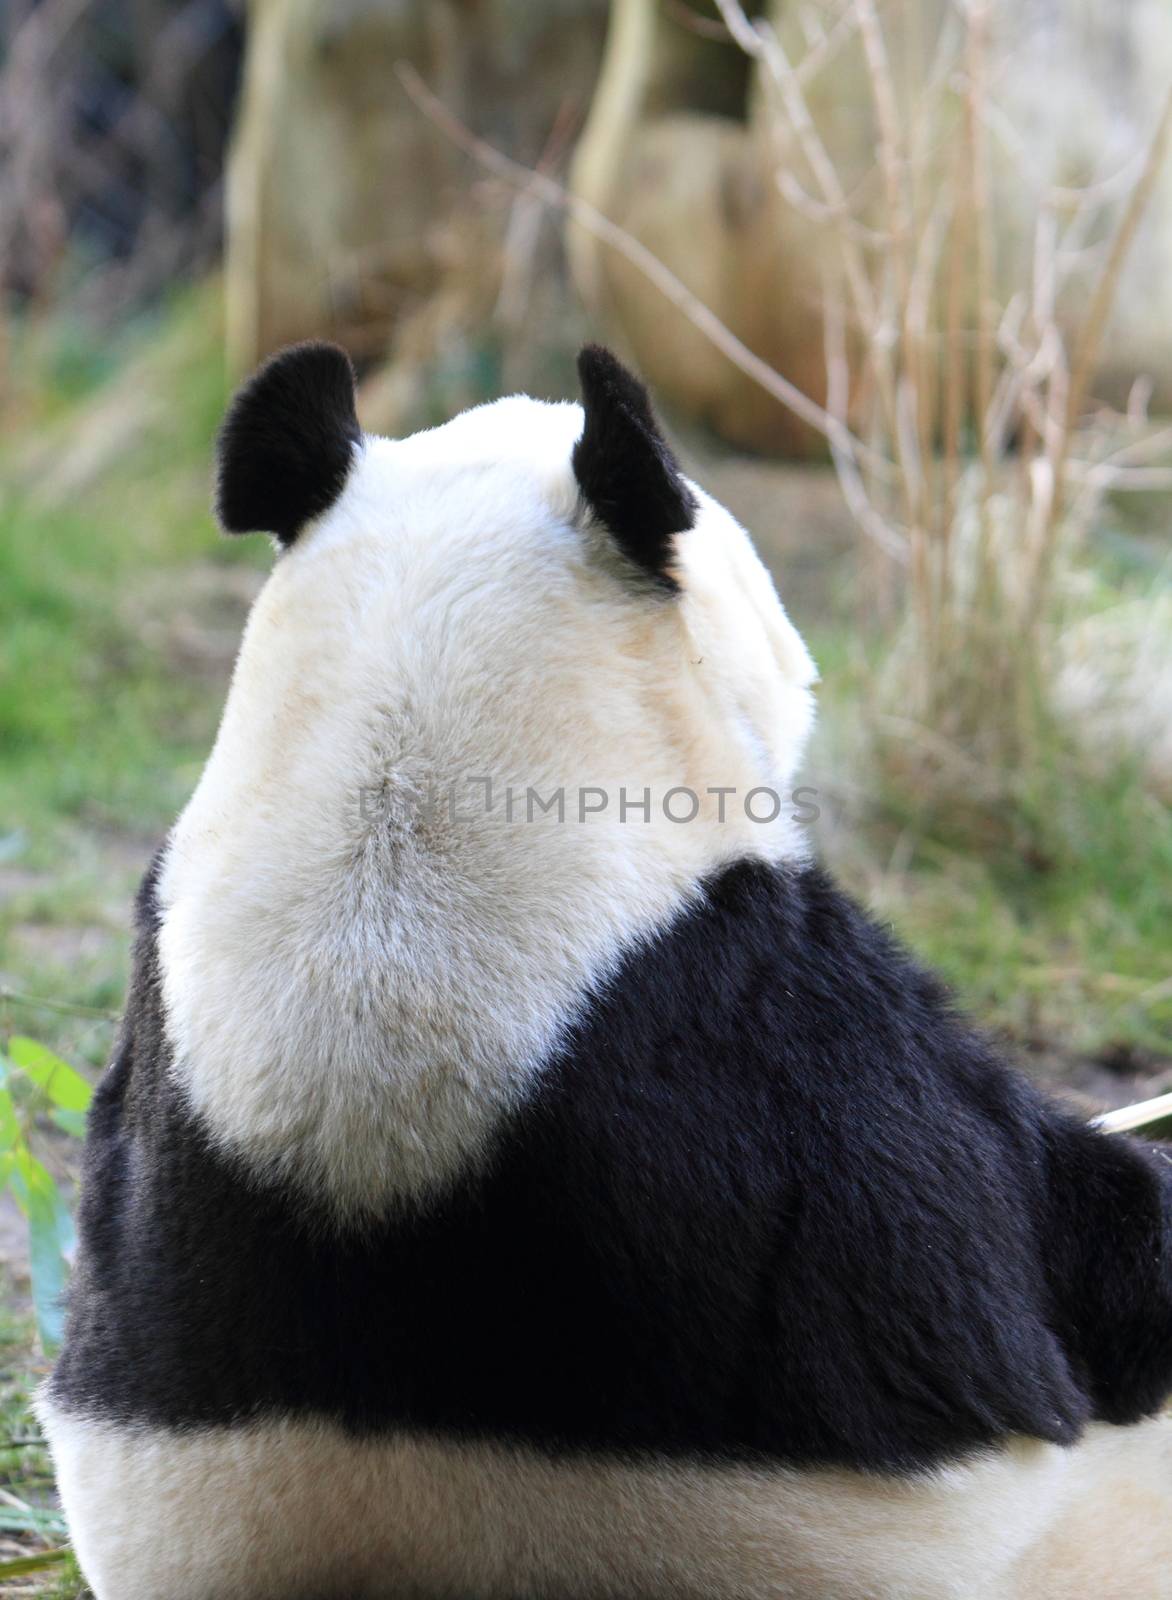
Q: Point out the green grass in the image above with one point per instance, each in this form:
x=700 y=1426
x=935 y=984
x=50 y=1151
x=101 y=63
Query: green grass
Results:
x=94 y=717
x=31 y=1525
x=109 y=689
x=1075 y=958
x=1049 y=919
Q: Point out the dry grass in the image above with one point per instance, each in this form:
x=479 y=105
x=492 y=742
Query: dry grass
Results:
x=984 y=463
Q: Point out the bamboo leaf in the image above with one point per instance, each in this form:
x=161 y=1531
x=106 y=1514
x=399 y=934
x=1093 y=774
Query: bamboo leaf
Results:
x=1143 y=1117
x=9 y=1123
x=30 y=1564
x=71 y=1122
x=31 y=1519
x=65 y=1087
x=50 y=1240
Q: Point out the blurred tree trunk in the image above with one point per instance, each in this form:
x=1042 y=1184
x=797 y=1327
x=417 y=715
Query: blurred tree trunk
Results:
x=338 y=188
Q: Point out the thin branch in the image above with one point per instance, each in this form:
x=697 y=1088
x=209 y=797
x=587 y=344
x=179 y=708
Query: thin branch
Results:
x=687 y=17
x=1140 y=451
x=555 y=195
x=1095 y=321
x=827 y=47
x=818 y=211
x=1067 y=401
x=66 y=1007
x=762 y=45
x=838 y=400
x=893 y=166
x=1103 y=475
x=1062 y=196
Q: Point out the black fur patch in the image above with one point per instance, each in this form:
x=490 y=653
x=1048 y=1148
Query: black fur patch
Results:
x=773 y=1202
x=287 y=442
x=625 y=469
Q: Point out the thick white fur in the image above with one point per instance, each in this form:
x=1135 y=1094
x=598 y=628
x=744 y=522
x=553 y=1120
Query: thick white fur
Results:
x=284 y=1510
x=356 y=1002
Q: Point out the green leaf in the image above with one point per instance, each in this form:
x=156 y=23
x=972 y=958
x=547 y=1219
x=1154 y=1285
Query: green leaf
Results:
x=73 y=1122
x=32 y=1519
x=50 y=1231
x=9 y=1122
x=65 y=1087
x=28 y=1564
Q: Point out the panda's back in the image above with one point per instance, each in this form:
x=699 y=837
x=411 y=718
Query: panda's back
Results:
x=770 y=1202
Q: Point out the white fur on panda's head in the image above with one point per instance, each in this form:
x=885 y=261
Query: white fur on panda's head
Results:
x=377 y=919
x=546 y=577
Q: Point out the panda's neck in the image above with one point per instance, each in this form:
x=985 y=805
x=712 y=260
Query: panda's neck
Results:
x=359 y=987
x=362 y=1016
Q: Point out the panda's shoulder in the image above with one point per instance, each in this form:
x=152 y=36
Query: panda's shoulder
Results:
x=773 y=978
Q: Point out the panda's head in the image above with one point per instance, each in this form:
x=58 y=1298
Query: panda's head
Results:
x=513 y=691
x=531 y=591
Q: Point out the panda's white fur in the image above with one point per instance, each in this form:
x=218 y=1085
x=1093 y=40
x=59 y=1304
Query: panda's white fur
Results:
x=356 y=1004
x=286 y=1509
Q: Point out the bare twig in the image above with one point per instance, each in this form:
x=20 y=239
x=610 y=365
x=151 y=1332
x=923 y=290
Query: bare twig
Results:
x=555 y=195
x=983 y=262
x=1068 y=401
x=838 y=400
x=762 y=44
x=1094 y=323
x=909 y=388
x=686 y=16
x=67 y=1008
x=934 y=351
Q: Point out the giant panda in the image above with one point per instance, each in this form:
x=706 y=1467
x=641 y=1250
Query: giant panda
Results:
x=495 y=1198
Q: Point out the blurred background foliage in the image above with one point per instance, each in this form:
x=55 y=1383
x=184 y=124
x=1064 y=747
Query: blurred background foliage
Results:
x=908 y=316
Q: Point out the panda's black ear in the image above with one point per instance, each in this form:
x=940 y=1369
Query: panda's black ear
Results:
x=287 y=442
x=626 y=472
